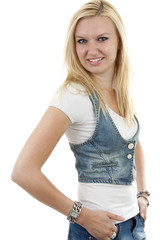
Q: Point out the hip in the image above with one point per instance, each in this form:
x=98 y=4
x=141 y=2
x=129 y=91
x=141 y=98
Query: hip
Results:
x=132 y=229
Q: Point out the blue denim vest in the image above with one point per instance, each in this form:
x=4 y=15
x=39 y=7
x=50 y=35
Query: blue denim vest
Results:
x=106 y=157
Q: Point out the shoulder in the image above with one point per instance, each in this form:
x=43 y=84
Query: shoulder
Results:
x=72 y=100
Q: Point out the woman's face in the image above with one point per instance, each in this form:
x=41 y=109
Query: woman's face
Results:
x=97 y=44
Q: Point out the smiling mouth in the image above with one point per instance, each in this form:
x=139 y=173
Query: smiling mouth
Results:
x=95 y=59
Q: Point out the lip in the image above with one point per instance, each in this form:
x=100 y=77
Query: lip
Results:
x=95 y=61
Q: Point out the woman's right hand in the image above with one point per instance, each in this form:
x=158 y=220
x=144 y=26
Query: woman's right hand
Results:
x=98 y=223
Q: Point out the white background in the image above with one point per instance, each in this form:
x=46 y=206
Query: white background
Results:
x=32 y=36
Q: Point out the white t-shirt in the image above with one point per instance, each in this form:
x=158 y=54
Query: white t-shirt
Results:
x=117 y=199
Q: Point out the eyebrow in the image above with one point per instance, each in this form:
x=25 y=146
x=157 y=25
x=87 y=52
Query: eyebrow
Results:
x=100 y=35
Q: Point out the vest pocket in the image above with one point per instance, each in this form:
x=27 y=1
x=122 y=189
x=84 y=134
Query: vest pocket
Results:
x=101 y=165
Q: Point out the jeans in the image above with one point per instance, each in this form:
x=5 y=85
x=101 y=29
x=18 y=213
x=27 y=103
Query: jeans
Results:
x=132 y=229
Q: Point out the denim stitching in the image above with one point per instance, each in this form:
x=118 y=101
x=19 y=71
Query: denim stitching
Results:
x=69 y=234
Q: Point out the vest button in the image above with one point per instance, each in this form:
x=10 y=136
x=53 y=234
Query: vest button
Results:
x=129 y=156
x=130 y=145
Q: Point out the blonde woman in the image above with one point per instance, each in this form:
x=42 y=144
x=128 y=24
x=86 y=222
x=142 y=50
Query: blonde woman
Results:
x=95 y=110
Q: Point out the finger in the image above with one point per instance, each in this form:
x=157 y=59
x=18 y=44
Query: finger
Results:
x=107 y=238
x=115 y=217
x=113 y=235
x=114 y=229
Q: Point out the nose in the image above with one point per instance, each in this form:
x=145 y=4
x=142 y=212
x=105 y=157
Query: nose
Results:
x=92 y=48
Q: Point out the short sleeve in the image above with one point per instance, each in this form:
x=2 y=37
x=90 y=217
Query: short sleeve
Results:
x=72 y=103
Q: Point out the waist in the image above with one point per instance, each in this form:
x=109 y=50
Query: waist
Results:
x=117 y=199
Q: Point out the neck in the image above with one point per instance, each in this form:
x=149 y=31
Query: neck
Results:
x=105 y=81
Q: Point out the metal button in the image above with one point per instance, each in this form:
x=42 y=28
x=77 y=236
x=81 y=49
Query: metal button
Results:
x=90 y=238
x=129 y=156
x=130 y=145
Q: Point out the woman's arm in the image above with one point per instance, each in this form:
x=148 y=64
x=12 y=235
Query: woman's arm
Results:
x=27 y=173
x=27 y=170
x=141 y=178
x=140 y=165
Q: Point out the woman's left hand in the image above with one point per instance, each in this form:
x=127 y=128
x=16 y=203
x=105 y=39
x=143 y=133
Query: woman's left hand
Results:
x=142 y=207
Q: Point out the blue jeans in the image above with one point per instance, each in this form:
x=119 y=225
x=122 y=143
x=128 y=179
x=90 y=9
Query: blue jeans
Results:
x=132 y=229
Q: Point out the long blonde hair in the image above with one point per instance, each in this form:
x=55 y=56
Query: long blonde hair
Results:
x=76 y=72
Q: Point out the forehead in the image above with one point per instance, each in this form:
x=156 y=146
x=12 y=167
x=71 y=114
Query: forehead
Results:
x=95 y=26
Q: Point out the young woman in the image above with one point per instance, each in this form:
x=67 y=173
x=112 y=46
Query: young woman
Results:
x=95 y=110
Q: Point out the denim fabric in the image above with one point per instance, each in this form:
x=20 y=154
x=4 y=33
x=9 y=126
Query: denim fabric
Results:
x=106 y=157
x=132 y=229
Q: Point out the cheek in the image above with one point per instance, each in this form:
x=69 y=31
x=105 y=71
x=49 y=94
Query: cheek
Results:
x=106 y=49
x=111 y=50
x=80 y=52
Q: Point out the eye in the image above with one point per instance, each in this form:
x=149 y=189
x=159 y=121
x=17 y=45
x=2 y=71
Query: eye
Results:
x=82 y=41
x=102 y=39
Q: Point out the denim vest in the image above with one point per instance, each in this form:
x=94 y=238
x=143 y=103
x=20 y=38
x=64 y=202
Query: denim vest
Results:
x=106 y=157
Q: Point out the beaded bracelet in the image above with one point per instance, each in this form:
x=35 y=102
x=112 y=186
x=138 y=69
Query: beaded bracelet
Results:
x=145 y=192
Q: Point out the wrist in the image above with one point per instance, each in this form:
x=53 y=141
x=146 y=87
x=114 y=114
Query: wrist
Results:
x=75 y=212
x=145 y=199
x=144 y=194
